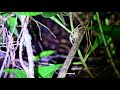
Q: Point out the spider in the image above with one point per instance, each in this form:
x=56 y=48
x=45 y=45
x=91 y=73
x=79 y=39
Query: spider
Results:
x=74 y=36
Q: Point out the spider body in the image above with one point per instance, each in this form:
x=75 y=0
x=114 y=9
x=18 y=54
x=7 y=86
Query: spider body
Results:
x=74 y=36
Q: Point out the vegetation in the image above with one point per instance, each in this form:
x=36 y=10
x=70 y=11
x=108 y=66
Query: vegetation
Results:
x=36 y=44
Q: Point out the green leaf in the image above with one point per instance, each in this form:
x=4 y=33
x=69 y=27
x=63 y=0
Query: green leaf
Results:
x=47 y=53
x=7 y=70
x=106 y=21
x=98 y=41
x=5 y=14
x=59 y=23
x=36 y=58
x=12 y=22
x=61 y=18
x=111 y=46
x=44 y=54
x=49 y=14
x=29 y=13
x=48 y=71
x=94 y=17
x=18 y=73
x=110 y=30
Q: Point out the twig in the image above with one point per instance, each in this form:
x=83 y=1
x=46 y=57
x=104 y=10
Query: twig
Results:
x=43 y=26
x=24 y=22
x=12 y=53
x=4 y=63
x=20 y=56
x=18 y=40
x=5 y=59
x=38 y=28
x=78 y=18
x=8 y=64
x=72 y=52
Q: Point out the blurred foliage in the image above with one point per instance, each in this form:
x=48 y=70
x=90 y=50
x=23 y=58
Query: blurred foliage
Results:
x=110 y=23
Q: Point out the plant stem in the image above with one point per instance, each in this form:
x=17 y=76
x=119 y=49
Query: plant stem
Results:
x=71 y=21
x=28 y=45
x=62 y=25
x=105 y=43
x=85 y=65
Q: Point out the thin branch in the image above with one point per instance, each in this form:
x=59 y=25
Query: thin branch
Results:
x=18 y=40
x=5 y=59
x=72 y=52
x=20 y=56
x=39 y=29
x=43 y=26
x=24 y=21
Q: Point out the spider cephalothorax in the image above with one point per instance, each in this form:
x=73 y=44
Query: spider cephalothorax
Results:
x=73 y=36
